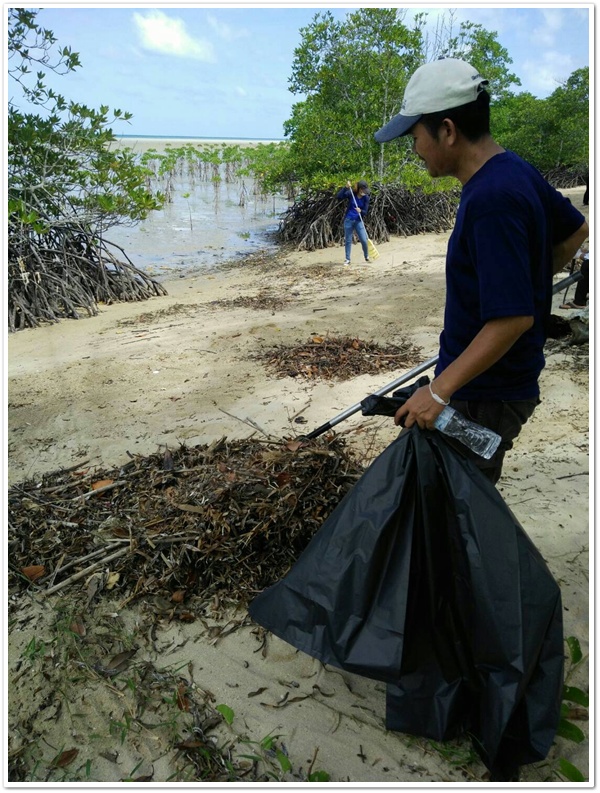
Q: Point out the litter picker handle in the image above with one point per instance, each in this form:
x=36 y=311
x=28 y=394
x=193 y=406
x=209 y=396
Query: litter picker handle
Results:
x=566 y=282
x=386 y=389
x=571 y=279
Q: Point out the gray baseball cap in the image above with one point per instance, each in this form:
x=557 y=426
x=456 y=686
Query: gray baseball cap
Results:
x=439 y=85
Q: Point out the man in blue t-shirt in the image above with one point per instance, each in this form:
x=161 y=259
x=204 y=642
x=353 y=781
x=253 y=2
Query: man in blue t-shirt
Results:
x=513 y=231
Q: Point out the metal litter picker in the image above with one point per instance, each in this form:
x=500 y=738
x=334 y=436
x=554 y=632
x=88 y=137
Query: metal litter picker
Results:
x=566 y=282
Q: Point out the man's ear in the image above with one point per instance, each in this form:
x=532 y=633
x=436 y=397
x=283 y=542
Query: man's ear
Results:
x=448 y=131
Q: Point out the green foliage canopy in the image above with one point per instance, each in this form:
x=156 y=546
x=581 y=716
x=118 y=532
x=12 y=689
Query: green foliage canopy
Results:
x=551 y=133
x=62 y=168
x=353 y=74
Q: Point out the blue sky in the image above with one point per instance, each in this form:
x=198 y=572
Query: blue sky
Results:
x=221 y=71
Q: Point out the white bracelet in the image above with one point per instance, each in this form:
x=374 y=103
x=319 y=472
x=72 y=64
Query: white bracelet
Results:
x=437 y=398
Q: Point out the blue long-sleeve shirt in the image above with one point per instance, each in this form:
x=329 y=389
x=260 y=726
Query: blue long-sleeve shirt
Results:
x=363 y=203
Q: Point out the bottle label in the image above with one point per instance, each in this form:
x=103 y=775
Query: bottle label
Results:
x=442 y=420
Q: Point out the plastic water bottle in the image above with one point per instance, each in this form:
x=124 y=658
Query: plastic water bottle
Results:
x=480 y=440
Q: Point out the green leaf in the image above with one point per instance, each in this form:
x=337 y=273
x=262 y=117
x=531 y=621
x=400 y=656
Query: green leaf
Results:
x=253 y=757
x=284 y=761
x=570 y=731
x=569 y=771
x=226 y=712
x=574 y=649
x=574 y=694
x=319 y=776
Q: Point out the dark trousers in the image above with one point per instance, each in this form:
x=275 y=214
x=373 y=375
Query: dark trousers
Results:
x=583 y=285
x=505 y=418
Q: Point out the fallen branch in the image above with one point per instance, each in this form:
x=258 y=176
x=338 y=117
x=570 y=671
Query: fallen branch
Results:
x=85 y=558
x=100 y=490
x=87 y=570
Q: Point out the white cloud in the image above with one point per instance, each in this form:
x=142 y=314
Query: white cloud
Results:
x=543 y=76
x=161 y=33
x=548 y=33
x=224 y=31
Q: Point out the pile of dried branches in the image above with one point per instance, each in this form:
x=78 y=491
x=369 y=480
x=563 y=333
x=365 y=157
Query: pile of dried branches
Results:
x=343 y=358
x=66 y=271
x=263 y=300
x=224 y=519
x=317 y=220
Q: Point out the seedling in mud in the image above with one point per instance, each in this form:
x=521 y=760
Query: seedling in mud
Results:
x=187 y=196
x=121 y=728
x=35 y=649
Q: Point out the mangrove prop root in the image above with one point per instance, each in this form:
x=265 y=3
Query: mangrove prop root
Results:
x=66 y=272
x=317 y=220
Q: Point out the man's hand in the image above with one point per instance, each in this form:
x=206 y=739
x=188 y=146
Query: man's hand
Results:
x=421 y=409
x=349 y=184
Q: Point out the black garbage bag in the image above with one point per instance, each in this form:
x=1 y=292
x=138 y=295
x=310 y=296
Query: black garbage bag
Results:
x=424 y=579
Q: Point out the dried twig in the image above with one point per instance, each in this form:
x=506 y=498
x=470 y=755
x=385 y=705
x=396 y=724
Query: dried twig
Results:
x=337 y=358
x=86 y=558
x=87 y=570
x=99 y=490
x=247 y=421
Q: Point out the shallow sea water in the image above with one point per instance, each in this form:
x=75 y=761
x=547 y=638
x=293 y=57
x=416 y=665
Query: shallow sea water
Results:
x=205 y=225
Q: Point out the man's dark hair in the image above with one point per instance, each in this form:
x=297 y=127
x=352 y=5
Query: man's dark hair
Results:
x=472 y=119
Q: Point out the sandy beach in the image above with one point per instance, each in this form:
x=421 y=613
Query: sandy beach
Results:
x=142 y=377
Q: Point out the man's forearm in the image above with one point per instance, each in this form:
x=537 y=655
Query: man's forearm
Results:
x=564 y=252
x=494 y=340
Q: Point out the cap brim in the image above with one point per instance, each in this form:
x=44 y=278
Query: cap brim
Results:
x=396 y=127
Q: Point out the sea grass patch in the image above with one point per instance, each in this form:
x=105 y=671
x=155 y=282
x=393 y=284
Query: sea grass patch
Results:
x=222 y=520
x=338 y=358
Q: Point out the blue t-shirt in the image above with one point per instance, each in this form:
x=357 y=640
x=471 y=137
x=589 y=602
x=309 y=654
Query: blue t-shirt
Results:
x=499 y=264
x=363 y=203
